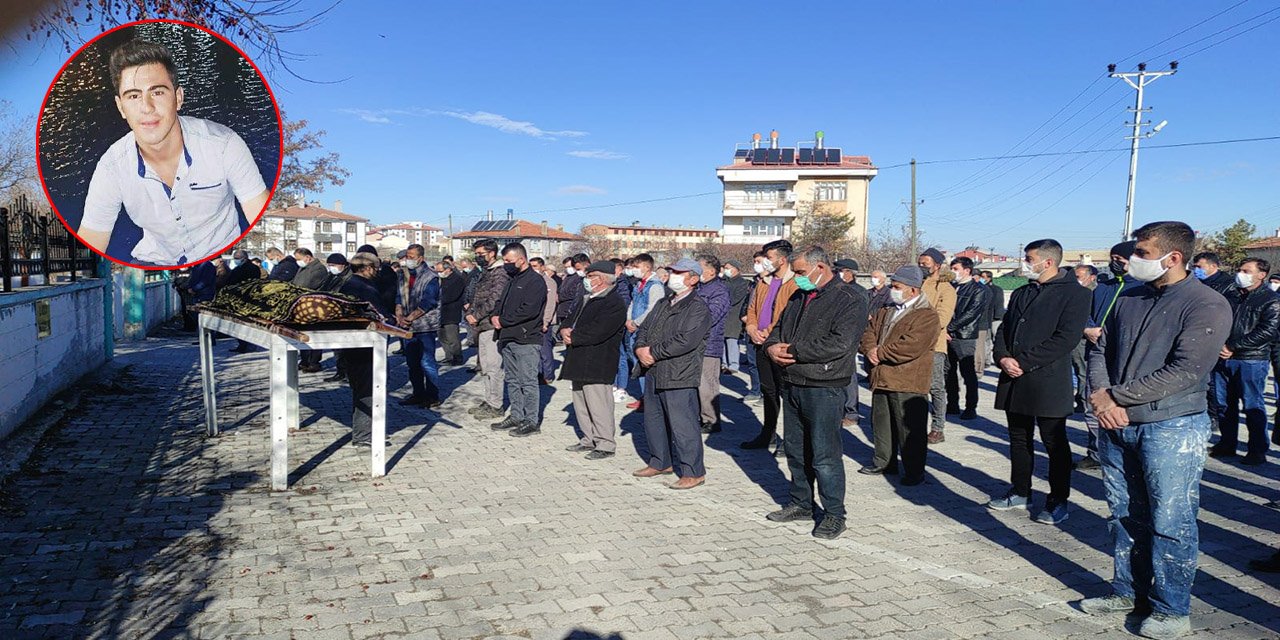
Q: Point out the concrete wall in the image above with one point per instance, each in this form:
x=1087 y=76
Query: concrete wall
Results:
x=156 y=309
x=33 y=369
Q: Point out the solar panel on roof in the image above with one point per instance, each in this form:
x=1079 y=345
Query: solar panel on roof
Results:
x=788 y=156
x=833 y=156
x=504 y=225
x=806 y=156
x=757 y=156
x=741 y=153
x=774 y=157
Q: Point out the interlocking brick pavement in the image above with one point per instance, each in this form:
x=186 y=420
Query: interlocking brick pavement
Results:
x=128 y=522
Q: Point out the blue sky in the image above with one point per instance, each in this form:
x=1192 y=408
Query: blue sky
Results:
x=455 y=108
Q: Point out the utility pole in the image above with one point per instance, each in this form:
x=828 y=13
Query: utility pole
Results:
x=451 y=225
x=915 y=251
x=1138 y=80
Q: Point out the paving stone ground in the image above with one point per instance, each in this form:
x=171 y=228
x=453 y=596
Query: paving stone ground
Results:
x=128 y=522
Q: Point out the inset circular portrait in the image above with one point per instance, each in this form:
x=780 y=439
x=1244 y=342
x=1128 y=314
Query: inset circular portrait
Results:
x=159 y=144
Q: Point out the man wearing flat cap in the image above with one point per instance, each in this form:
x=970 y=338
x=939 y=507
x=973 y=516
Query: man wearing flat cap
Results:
x=941 y=295
x=592 y=334
x=669 y=347
x=847 y=273
x=899 y=343
x=815 y=344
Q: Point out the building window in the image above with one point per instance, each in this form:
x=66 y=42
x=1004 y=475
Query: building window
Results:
x=351 y=227
x=761 y=227
x=326 y=247
x=830 y=191
x=290 y=245
x=326 y=227
x=351 y=248
x=764 y=192
x=290 y=225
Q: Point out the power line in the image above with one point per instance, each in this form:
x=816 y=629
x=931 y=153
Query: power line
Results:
x=1220 y=32
x=1071 y=153
x=1138 y=53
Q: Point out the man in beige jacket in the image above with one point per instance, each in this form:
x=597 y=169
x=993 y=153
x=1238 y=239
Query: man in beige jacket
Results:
x=941 y=295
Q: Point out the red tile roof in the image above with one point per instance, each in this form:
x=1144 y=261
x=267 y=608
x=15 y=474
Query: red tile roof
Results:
x=313 y=213
x=523 y=229
x=1265 y=243
x=409 y=227
x=847 y=162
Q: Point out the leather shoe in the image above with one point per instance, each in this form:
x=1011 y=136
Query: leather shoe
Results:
x=1217 y=451
x=649 y=472
x=790 y=513
x=969 y=414
x=870 y=470
x=849 y=422
x=598 y=455
x=509 y=423
x=912 y=480
x=687 y=483
x=526 y=429
x=936 y=437
x=576 y=447
x=1252 y=459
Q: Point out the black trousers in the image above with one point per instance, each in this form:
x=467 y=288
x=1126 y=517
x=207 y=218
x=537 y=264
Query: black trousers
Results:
x=359 y=365
x=900 y=423
x=1053 y=433
x=770 y=392
x=962 y=360
x=450 y=344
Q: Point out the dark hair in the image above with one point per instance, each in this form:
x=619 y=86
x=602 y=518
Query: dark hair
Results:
x=1168 y=236
x=486 y=244
x=709 y=260
x=964 y=263
x=581 y=258
x=303 y=251
x=759 y=254
x=617 y=261
x=1046 y=248
x=422 y=251
x=1208 y=256
x=783 y=248
x=1093 y=271
x=988 y=274
x=538 y=261
x=446 y=259
x=1262 y=265
x=645 y=258
x=517 y=248
x=138 y=52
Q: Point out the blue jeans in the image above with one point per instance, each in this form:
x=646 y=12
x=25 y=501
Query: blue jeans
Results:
x=629 y=344
x=811 y=436
x=624 y=367
x=420 y=354
x=1237 y=382
x=752 y=370
x=1151 y=473
x=732 y=357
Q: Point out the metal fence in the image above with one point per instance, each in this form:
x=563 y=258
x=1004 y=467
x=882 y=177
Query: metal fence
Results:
x=35 y=243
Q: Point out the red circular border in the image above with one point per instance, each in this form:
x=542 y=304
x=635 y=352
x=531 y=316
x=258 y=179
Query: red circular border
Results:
x=279 y=127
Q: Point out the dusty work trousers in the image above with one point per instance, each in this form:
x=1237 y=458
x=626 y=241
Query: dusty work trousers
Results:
x=709 y=391
x=491 y=373
x=593 y=409
x=938 y=392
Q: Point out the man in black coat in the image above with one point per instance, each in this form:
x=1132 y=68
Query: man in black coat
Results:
x=739 y=291
x=1208 y=270
x=242 y=270
x=669 y=347
x=386 y=282
x=592 y=336
x=995 y=311
x=1240 y=377
x=453 y=288
x=816 y=345
x=518 y=319
x=847 y=276
x=358 y=363
x=284 y=267
x=1045 y=319
x=962 y=338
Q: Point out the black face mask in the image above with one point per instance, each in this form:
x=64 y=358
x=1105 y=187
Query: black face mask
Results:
x=1117 y=268
x=482 y=261
x=511 y=269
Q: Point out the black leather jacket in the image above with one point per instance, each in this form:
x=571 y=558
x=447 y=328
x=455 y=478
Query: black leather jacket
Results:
x=971 y=306
x=1255 y=320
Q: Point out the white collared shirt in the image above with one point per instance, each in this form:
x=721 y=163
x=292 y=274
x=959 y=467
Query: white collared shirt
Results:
x=191 y=221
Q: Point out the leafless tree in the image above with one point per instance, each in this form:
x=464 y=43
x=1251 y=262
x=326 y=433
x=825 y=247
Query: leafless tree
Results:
x=306 y=169
x=17 y=153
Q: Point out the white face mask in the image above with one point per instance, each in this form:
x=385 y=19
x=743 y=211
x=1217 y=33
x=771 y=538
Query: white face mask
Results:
x=335 y=270
x=961 y=278
x=1083 y=283
x=758 y=268
x=1244 y=280
x=768 y=266
x=1275 y=286
x=1145 y=270
x=875 y=282
x=677 y=284
x=1029 y=269
x=234 y=263
x=897 y=296
x=409 y=263
x=631 y=272
x=467 y=270
x=568 y=271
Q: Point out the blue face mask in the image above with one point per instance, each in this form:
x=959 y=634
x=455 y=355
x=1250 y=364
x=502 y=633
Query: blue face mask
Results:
x=1199 y=273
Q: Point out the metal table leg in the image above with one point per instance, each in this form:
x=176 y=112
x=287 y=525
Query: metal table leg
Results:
x=207 y=380
x=379 y=408
x=291 y=364
x=279 y=415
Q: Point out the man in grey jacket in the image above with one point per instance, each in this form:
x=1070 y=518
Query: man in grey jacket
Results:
x=670 y=345
x=484 y=304
x=1148 y=373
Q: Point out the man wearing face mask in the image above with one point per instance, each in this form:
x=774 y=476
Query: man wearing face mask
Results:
x=1087 y=276
x=739 y=291
x=1207 y=268
x=1148 y=373
x=646 y=292
x=941 y=295
x=815 y=344
x=715 y=294
x=670 y=347
x=962 y=339
x=484 y=304
x=520 y=320
x=770 y=298
x=242 y=270
x=592 y=335
x=358 y=363
x=993 y=314
x=311 y=275
x=1105 y=295
x=1042 y=325
x=899 y=343
x=879 y=296
x=846 y=271
x=753 y=395
x=1240 y=376
x=418 y=309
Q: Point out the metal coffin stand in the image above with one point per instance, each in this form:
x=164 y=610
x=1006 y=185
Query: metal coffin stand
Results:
x=284 y=344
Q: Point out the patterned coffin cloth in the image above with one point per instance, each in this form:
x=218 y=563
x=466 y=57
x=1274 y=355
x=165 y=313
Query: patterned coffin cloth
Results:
x=288 y=304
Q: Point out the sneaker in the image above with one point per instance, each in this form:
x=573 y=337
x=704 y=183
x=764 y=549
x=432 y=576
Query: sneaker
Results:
x=753 y=398
x=525 y=429
x=1009 y=501
x=577 y=446
x=1107 y=604
x=790 y=513
x=1088 y=463
x=509 y=423
x=1054 y=512
x=936 y=437
x=486 y=412
x=830 y=528
x=413 y=401
x=598 y=455
x=638 y=405
x=1163 y=626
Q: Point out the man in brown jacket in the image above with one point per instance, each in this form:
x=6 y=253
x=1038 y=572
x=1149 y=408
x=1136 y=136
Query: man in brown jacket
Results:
x=941 y=295
x=770 y=298
x=900 y=343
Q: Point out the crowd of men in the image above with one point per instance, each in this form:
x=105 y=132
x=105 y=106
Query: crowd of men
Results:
x=1156 y=351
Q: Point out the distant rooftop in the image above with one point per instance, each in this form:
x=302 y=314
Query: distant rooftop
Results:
x=761 y=154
